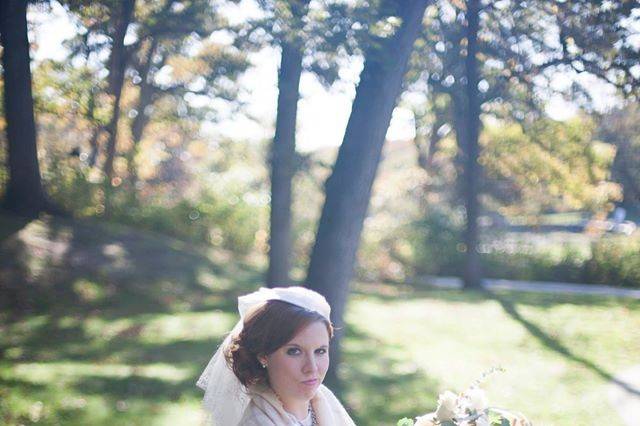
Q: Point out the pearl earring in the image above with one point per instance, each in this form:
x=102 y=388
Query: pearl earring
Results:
x=264 y=365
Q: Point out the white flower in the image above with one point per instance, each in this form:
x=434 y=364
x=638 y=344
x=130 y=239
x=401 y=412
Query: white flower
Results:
x=426 y=420
x=447 y=402
x=477 y=398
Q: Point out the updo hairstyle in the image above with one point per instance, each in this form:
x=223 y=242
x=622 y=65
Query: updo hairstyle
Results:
x=266 y=328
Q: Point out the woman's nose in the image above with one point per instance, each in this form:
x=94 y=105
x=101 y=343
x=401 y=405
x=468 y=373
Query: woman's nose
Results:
x=310 y=365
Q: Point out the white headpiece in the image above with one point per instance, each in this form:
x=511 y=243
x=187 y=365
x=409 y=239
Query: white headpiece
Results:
x=225 y=398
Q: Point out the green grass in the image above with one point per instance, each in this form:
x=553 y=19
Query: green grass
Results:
x=105 y=325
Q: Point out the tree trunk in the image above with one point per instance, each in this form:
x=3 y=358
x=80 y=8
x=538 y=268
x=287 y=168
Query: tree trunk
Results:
x=623 y=172
x=283 y=153
x=93 y=143
x=471 y=175
x=117 y=65
x=97 y=130
x=24 y=194
x=427 y=153
x=348 y=189
x=142 y=118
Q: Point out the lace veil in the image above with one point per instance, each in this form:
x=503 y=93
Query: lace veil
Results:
x=225 y=398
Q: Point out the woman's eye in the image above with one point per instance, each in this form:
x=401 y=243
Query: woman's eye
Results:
x=293 y=351
x=321 y=351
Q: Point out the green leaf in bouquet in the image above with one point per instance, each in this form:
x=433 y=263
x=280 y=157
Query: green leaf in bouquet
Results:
x=405 y=422
x=495 y=419
x=505 y=422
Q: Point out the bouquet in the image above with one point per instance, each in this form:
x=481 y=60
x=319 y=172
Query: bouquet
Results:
x=468 y=408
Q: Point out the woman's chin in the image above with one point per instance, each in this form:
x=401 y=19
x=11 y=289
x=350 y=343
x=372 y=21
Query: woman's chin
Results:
x=309 y=391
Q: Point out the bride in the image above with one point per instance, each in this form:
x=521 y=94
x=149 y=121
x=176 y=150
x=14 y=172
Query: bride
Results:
x=269 y=369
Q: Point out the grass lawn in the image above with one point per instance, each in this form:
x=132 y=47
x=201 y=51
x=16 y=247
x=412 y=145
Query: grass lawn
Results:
x=119 y=324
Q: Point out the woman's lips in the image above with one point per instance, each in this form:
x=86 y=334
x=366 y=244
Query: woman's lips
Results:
x=311 y=382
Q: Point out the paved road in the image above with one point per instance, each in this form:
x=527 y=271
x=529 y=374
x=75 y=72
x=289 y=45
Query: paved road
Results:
x=536 y=286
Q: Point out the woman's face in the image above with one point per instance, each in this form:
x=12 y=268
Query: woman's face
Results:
x=297 y=369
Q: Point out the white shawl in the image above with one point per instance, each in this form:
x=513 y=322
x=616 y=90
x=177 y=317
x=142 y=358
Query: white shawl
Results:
x=266 y=410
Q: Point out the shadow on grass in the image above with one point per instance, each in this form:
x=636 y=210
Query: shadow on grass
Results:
x=510 y=308
x=117 y=398
x=381 y=387
x=138 y=387
x=13 y=266
x=95 y=400
x=6 y=384
x=11 y=225
x=93 y=268
x=53 y=341
x=89 y=272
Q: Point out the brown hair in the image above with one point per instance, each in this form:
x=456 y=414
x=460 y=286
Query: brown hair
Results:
x=268 y=327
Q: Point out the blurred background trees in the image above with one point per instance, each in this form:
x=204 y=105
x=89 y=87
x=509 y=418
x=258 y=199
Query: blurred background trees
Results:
x=121 y=114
